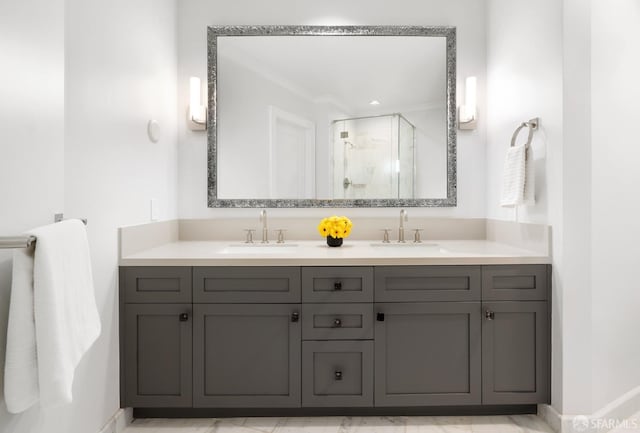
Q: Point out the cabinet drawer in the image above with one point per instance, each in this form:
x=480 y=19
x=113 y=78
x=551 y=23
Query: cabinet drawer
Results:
x=427 y=283
x=337 y=321
x=337 y=373
x=515 y=283
x=157 y=284
x=337 y=284
x=246 y=284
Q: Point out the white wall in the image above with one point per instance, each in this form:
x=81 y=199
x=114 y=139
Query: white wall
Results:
x=615 y=228
x=194 y=16
x=580 y=76
x=120 y=72
x=115 y=71
x=524 y=80
x=31 y=145
x=570 y=215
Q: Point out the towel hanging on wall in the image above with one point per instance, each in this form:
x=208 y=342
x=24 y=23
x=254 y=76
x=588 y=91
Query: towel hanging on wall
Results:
x=518 y=182
x=52 y=314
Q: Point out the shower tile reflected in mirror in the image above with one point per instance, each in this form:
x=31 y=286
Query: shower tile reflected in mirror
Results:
x=373 y=157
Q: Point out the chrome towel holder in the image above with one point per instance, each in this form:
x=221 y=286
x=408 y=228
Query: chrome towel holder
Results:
x=532 y=124
x=7 y=242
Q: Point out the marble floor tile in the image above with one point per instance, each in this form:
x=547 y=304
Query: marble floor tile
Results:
x=391 y=424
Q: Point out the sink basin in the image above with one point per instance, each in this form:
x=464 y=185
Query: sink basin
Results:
x=260 y=249
x=408 y=244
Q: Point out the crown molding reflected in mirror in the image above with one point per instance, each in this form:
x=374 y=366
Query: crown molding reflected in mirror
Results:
x=243 y=177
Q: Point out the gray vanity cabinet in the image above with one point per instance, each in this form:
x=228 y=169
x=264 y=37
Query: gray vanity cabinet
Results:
x=427 y=354
x=247 y=355
x=157 y=347
x=377 y=337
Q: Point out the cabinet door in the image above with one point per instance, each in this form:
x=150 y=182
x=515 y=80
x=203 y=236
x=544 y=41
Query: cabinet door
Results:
x=157 y=358
x=247 y=355
x=515 y=353
x=427 y=354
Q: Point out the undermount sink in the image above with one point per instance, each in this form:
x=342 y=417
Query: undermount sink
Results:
x=405 y=245
x=274 y=248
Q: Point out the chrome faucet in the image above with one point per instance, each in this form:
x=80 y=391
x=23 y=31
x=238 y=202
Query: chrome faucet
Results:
x=265 y=231
x=404 y=216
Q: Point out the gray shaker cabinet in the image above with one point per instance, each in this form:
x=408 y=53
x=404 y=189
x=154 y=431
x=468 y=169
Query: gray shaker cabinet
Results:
x=334 y=337
x=157 y=360
x=247 y=355
x=427 y=354
x=515 y=352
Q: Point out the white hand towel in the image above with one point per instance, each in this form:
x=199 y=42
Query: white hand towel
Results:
x=528 y=198
x=64 y=309
x=20 y=366
x=518 y=178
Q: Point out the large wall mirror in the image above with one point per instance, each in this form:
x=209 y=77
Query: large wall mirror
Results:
x=315 y=116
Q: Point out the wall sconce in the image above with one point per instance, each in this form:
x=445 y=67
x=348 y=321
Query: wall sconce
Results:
x=197 y=112
x=468 y=112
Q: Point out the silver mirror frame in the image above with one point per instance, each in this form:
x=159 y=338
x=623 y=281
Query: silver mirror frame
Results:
x=213 y=32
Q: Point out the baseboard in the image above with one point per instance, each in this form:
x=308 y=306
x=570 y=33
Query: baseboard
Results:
x=550 y=416
x=119 y=421
x=336 y=411
x=615 y=414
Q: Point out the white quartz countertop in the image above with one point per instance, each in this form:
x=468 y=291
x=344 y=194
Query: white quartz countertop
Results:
x=317 y=253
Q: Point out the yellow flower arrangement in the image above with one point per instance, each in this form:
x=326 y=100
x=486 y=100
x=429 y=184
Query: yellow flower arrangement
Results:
x=335 y=226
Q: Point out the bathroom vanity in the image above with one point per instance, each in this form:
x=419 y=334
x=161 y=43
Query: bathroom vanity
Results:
x=301 y=332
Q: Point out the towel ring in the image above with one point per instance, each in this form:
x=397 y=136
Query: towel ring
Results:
x=532 y=124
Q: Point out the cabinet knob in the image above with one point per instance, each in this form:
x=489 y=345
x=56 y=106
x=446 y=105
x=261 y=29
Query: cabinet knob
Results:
x=295 y=316
x=184 y=317
x=337 y=375
x=380 y=317
x=337 y=285
x=337 y=323
x=489 y=315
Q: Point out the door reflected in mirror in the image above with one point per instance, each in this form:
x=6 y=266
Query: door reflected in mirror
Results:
x=316 y=118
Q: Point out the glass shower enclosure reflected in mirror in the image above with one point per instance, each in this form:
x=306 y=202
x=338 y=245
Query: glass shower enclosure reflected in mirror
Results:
x=374 y=157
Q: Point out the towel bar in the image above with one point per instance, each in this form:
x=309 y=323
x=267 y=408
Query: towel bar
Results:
x=7 y=242
x=16 y=241
x=532 y=124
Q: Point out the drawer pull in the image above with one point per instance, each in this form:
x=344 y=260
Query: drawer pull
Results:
x=295 y=316
x=184 y=317
x=489 y=315
x=380 y=317
x=337 y=323
x=337 y=286
x=337 y=375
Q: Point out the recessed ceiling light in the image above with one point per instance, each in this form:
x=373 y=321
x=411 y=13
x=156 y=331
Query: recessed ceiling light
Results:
x=374 y=102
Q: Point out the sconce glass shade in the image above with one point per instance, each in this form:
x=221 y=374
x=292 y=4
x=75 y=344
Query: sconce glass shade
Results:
x=467 y=116
x=197 y=113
